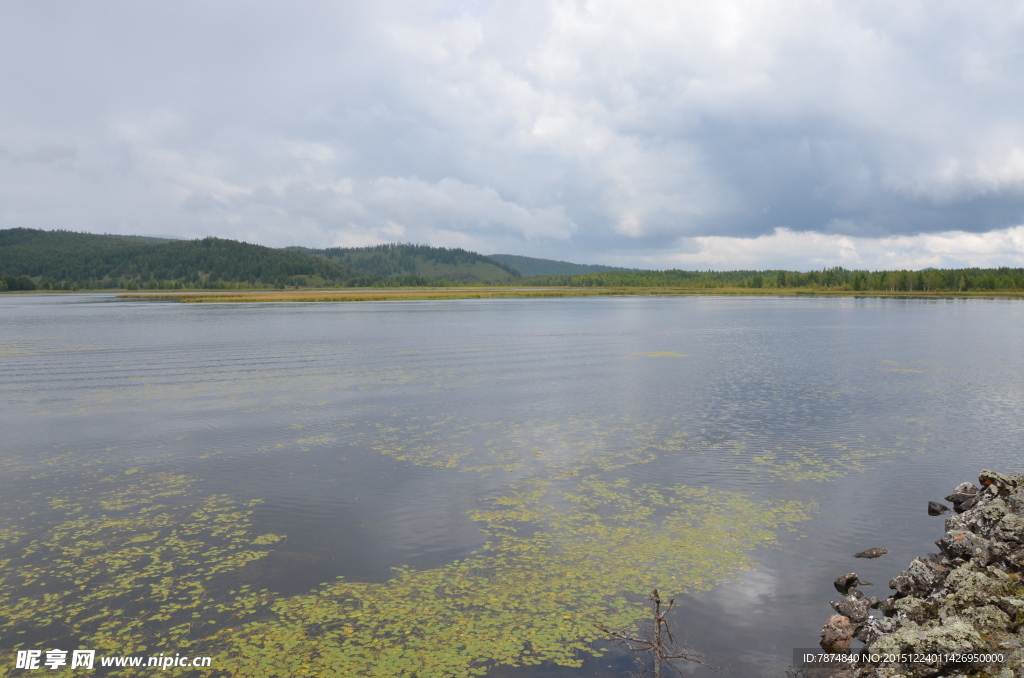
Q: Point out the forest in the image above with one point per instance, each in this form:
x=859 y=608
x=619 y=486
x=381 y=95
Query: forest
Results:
x=397 y=259
x=531 y=266
x=66 y=260
x=835 y=279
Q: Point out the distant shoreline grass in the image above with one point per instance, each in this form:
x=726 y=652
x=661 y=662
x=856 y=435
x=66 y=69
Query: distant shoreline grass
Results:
x=414 y=294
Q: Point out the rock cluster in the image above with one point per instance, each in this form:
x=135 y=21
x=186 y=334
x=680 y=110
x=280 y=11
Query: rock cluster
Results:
x=966 y=599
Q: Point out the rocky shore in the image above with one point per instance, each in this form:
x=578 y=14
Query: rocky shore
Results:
x=967 y=600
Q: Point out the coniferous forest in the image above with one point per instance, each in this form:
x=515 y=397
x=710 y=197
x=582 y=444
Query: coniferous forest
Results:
x=65 y=260
x=408 y=259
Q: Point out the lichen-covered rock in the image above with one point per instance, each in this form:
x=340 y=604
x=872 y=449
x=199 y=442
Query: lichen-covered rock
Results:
x=1013 y=606
x=871 y=553
x=845 y=582
x=874 y=628
x=990 y=514
x=1002 y=483
x=856 y=609
x=980 y=519
x=1014 y=666
x=1016 y=499
x=963 y=497
x=920 y=579
x=1010 y=528
x=968 y=598
x=966 y=545
x=958 y=523
x=1014 y=559
x=829 y=671
x=954 y=636
x=915 y=609
x=989 y=620
x=887 y=606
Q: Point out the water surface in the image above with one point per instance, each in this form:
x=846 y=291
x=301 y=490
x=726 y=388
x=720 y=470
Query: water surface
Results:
x=373 y=434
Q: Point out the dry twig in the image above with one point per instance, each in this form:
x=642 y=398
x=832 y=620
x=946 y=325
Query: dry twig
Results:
x=661 y=643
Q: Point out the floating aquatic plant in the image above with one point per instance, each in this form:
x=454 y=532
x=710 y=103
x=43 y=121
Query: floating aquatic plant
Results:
x=148 y=566
x=141 y=563
x=129 y=571
x=558 y=562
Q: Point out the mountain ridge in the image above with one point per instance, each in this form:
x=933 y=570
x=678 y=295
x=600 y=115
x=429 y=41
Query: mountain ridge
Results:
x=116 y=261
x=397 y=259
x=531 y=266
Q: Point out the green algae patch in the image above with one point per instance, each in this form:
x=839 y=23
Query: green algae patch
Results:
x=131 y=571
x=142 y=563
x=825 y=464
x=148 y=565
x=558 y=561
x=808 y=464
x=556 y=447
x=568 y=446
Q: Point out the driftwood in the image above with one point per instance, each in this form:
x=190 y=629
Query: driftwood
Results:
x=660 y=644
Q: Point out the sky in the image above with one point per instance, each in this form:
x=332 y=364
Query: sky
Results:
x=680 y=134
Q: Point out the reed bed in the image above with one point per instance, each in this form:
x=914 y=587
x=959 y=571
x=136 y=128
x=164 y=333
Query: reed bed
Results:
x=424 y=294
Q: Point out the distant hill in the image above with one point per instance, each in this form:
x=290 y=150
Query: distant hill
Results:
x=32 y=259
x=416 y=260
x=60 y=258
x=528 y=266
x=68 y=260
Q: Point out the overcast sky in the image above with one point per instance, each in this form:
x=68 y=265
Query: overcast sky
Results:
x=722 y=134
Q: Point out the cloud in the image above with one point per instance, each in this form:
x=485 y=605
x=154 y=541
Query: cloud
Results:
x=809 y=250
x=586 y=131
x=43 y=154
x=386 y=209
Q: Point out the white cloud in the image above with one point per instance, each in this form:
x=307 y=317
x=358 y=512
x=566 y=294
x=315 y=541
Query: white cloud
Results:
x=809 y=250
x=387 y=209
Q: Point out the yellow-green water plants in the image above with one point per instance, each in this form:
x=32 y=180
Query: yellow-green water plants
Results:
x=128 y=571
x=557 y=447
x=138 y=562
x=149 y=566
x=821 y=464
x=559 y=560
x=568 y=446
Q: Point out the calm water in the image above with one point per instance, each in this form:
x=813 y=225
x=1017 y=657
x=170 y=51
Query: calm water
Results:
x=370 y=431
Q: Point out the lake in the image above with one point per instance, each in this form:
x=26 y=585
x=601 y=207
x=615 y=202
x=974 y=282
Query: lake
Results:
x=476 y=485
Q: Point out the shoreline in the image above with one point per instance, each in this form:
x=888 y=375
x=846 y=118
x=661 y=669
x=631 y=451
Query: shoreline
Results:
x=966 y=600
x=437 y=293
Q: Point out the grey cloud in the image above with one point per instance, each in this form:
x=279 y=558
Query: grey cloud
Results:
x=201 y=202
x=44 y=154
x=572 y=129
x=401 y=208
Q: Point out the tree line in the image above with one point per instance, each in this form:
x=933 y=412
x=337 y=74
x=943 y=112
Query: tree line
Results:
x=65 y=260
x=62 y=259
x=16 y=283
x=837 y=279
x=398 y=259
